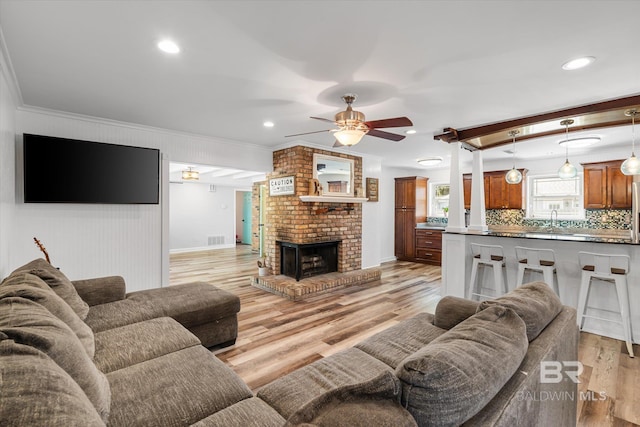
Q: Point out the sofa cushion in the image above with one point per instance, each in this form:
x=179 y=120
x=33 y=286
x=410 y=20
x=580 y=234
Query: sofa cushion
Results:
x=536 y=303
x=29 y=323
x=127 y=345
x=300 y=395
x=394 y=344
x=58 y=282
x=31 y=287
x=190 y=304
x=452 y=310
x=35 y=391
x=251 y=412
x=177 y=389
x=448 y=381
x=362 y=412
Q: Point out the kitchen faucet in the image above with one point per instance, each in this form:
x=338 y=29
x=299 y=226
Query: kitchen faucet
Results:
x=552 y=212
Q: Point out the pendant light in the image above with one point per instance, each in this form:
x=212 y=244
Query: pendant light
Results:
x=567 y=170
x=631 y=166
x=514 y=176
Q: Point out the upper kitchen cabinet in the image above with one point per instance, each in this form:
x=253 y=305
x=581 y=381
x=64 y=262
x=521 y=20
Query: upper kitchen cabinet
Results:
x=411 y=193
x=497 y=193
x=605 y=186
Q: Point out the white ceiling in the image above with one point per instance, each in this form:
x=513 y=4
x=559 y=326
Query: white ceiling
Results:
x=440 y=63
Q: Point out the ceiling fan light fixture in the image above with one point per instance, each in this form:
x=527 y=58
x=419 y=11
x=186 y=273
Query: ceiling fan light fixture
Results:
x=430 y=161
x=631 y=166
x=349 y=137
x=190 y=175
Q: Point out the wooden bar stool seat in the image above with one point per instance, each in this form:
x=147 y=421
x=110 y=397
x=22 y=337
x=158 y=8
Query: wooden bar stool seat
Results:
x=540 y=260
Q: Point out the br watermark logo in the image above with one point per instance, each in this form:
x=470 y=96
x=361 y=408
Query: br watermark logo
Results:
x=555 y=372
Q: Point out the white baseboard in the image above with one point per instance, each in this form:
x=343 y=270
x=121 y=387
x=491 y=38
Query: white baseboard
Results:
x=202 y=248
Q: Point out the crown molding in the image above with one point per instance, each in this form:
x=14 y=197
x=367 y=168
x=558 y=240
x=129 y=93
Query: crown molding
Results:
x=6 y=69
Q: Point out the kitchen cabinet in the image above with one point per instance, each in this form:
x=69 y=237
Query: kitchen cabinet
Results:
x=429 y=246
x=410 y=209
x=605 y=186
x=497 y=193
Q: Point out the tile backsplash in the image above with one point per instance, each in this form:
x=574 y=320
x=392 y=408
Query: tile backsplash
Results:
x=601 y=219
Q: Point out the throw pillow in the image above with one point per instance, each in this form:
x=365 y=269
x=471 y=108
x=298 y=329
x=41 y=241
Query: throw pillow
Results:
x=449 y=380
x=536 y=303
x=31 y=287
x=37 y=392
x=30 y=324
x=452 y=310
x=60 y=284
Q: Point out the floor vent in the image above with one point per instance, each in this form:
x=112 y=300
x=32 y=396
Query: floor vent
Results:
x=216 y=240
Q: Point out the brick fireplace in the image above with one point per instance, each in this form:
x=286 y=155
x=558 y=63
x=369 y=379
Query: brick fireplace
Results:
x=288 y=219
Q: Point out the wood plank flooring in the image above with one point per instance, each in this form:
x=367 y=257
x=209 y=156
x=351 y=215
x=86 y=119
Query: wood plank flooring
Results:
x=277 y=336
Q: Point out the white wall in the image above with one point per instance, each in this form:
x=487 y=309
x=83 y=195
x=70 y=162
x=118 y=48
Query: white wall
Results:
x=95 y=240
x=7 y=173
x=372 y=216
x=197 y=213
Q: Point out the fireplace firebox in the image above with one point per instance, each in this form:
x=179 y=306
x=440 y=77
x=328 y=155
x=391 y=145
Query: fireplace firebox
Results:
x=300 y=260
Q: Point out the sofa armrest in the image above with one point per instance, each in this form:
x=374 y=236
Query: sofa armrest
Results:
x=101 y=290
x=452 y=310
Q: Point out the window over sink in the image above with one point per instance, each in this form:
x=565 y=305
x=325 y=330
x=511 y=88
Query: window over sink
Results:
x=438 y=199
x=548 y=193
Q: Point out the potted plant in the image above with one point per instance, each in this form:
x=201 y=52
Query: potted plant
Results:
x=446 y=211
x=262 y=266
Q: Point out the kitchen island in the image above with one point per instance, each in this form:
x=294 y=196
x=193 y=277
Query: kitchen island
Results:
x=457 y=260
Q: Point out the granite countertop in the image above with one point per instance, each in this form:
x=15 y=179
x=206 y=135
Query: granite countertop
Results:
x=429 y=226
x=592 y=237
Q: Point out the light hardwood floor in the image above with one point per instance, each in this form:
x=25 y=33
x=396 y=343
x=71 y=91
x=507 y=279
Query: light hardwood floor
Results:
x=277 y=336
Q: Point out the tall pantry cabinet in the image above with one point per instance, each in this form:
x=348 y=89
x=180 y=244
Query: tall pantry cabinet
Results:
x=410 y=209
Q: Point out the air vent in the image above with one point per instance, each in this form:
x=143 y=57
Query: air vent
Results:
x=215 y=240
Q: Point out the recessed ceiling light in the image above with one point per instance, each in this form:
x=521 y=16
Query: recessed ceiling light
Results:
x=168 y=46
x=411 y=131
x=574 y=64
x=268 y=124
x=430 y=161
x=580 y=142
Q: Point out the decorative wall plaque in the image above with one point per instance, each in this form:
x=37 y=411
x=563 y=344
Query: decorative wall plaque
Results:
x=282 y=186
x=372 y=189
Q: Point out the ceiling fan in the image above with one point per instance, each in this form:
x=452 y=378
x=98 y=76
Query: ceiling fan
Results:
x=352 y=125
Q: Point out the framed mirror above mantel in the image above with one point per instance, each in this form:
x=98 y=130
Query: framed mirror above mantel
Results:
x=335 y=174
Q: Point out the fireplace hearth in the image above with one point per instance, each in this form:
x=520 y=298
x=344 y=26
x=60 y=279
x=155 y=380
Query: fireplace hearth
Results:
x=301 y=260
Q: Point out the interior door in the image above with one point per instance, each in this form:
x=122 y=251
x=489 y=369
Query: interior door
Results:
x=246 y=217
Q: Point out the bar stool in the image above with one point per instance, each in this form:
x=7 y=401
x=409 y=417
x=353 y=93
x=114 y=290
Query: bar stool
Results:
x=488 y=256
x=541 y=260
x=610 y=268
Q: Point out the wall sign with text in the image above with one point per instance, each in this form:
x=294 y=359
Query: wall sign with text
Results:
x=372 y=189
x=282 y=186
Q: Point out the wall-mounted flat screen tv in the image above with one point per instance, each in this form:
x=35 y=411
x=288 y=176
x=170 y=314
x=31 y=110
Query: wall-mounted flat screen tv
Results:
x=61 y=170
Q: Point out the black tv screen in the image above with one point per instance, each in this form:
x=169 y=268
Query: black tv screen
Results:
x=61 y=170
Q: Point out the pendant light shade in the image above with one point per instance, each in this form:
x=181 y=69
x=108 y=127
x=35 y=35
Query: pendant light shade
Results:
x=567 y=170
x=631 y=166
x=513 y=176
x=190 y=175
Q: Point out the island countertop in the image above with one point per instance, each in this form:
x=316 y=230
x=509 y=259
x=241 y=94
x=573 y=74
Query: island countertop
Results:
x=586 y=237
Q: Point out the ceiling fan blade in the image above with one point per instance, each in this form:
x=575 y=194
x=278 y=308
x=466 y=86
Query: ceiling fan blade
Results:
x=324 y=120
x=309 y=133
x=389 y=123
x=385 y=135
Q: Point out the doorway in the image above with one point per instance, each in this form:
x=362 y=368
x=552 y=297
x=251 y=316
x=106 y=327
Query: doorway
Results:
x=244 y=220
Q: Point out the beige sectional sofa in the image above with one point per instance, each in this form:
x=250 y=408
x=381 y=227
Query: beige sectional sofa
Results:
x=85 y=353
